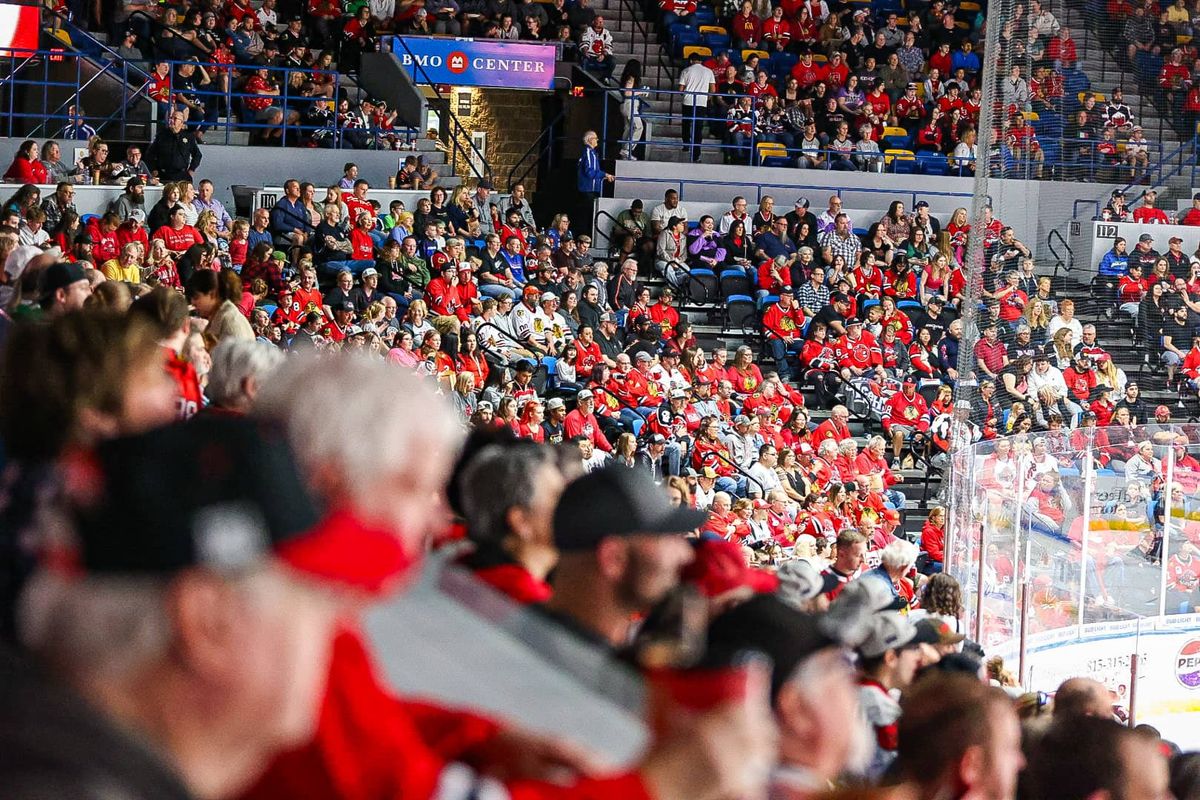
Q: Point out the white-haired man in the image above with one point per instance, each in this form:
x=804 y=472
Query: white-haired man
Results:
x=384 y=482
x=184 y=648
x=240 y=367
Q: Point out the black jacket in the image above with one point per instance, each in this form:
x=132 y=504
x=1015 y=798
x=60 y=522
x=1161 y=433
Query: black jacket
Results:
x=173 y=155
x=56 y=745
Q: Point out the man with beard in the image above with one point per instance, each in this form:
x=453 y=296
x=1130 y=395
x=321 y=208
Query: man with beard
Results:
x=621 y=549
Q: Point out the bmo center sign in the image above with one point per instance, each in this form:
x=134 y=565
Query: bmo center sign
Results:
x=471 y=62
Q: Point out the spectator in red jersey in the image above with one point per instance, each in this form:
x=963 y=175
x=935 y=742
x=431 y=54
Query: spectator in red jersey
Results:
x=25 y=166
x=784 y=324
x=582 y=422
x=1192 y=215
x=835 y=428
x=1061 y=50
x=106 y=243
x=777 y=31
x=907 y=416
x=1147 y=213
x=134 y=230
x=746 y=28
x=933 y=541
x=679 y=11
x=177 y=235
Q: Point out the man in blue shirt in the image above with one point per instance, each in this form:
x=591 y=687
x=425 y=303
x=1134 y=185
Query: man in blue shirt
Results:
x=776 y=242
x=260 y=230
x=289 y=219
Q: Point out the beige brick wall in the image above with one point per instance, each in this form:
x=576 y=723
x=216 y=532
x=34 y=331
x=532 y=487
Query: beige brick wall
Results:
x=511 y=119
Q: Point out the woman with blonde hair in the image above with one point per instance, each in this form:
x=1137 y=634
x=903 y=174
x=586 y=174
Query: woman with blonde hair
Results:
x=959 y=229
x=333 y=196
x=625 y=453
x=1110 y=375
x=1038 y=315
x=159 y=267
x=463 y=397
x=371 y=317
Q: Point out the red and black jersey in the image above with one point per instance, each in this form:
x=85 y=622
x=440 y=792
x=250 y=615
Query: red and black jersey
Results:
x=910 y=411
x=818 y=355
x=781 y=324
x=334 y=332
x=289 y=315
x=861 y=353
x=188 y=397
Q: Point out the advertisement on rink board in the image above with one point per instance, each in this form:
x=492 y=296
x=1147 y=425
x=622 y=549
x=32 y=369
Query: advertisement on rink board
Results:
x=471 y=62
x=1167 y=693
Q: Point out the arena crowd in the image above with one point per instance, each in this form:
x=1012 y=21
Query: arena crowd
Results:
x=224 y=437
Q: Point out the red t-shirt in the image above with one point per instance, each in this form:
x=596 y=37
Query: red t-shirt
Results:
x=178 y=241
x=362 y=246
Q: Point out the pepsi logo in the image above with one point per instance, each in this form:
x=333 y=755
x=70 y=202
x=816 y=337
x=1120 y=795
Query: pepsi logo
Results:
x=1187 y=664
x=457 y=62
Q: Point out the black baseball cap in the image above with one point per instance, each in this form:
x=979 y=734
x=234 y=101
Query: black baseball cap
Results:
x=768 y=625
x=221 y=492
x=617 y=501
x=60 y=275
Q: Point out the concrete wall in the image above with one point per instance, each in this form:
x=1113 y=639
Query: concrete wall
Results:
x=1033 y=208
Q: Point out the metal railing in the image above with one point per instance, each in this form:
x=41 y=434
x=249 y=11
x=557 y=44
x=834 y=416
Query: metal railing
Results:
x=228 y=112
x=647 y=33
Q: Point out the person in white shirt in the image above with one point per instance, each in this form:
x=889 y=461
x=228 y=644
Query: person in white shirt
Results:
x=828 y=218
x=555 y=332
x=596 y=49
x=592 y=458
x=268 y=20
x=705 y=490
x=1047 y=384
x=737 y=212
x=698 y=81
x=1065 y=319
x=1038 y=461
x=669 y=207
x=32 y=229
x=527 y=328
x=763 y=477
x=966 y=151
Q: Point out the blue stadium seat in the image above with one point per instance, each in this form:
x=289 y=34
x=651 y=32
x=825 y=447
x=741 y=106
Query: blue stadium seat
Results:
x=740 y=313
x=932 y=164
x=702 y=286
x=778 y=161
x=685 y=38
x=735 y=284
x=782 y=64
x=767 y=300
x=908 y=305
x=718 y=41
x=904 y=166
